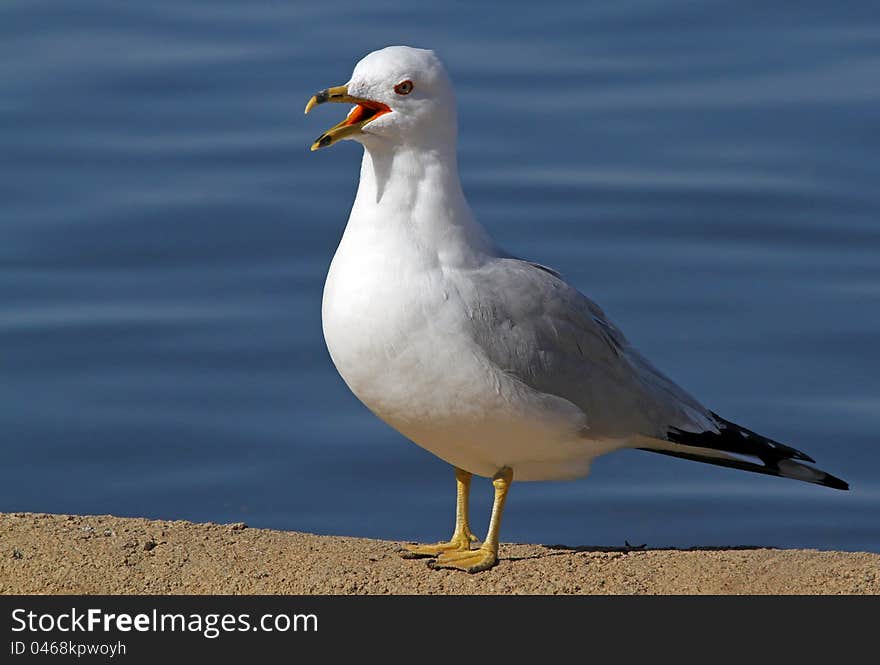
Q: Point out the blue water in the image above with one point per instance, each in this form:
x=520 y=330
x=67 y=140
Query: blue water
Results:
x=707 y=171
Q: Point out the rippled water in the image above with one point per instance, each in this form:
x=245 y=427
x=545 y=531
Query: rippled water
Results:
x=706 y=171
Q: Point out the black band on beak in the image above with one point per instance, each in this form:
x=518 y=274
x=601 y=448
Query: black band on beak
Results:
x=326 y=95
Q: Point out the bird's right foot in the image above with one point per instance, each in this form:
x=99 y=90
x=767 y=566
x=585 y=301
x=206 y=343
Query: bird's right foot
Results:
x=460 y=542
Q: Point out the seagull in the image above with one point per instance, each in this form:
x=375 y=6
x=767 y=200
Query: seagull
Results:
x=491 y=362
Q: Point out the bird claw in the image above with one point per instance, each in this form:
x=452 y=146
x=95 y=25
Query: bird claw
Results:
x=474 y=561
x=458 y=543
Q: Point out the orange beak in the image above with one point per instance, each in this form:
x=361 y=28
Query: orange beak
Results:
x=364 y=112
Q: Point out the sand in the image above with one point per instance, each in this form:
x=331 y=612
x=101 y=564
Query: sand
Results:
x=111 y=555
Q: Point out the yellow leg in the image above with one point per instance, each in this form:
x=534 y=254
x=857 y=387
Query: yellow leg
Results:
x=487 y=555
x=462 y=537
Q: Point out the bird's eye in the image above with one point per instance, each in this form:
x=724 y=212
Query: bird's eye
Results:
x=404 y=87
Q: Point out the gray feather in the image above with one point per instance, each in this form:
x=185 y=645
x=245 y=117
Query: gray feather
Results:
x=536 y=327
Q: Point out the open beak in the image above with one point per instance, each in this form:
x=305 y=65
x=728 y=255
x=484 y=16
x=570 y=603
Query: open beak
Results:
x=365 y=111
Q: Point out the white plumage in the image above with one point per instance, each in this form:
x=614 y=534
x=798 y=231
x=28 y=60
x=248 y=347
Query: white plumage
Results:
x=486 y=360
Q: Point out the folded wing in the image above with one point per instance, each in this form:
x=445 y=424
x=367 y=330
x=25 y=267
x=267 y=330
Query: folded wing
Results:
x=534 y=326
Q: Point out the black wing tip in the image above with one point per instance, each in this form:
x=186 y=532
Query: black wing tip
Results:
x=834 y=482
x=779 y=448
x=793 y=470
x=739 y=440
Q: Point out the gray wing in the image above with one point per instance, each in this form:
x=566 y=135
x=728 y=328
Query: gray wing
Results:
x=534 y=326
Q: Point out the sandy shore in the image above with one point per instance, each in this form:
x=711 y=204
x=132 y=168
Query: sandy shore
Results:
x=81 y=554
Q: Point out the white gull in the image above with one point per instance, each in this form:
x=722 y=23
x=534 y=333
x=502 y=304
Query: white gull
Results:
x=491 y=362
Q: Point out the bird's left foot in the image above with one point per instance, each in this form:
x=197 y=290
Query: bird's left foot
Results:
x=473 y=561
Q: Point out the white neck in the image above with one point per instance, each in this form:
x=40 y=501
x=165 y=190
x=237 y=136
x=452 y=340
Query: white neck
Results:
x=414 y=192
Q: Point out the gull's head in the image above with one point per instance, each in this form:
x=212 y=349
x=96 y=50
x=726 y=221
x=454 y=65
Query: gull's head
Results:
x=401 y=96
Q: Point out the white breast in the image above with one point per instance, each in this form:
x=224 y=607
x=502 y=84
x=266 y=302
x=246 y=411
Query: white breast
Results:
x=387 y=316
x=400 y=333
x=397 y=333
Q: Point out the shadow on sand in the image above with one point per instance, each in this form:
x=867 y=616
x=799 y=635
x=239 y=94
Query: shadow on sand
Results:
x=627 y=548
